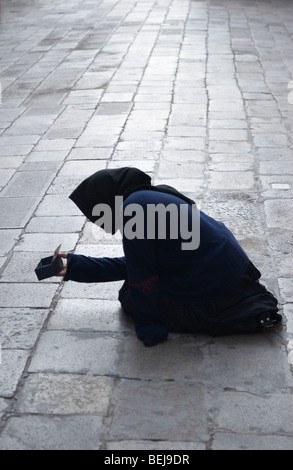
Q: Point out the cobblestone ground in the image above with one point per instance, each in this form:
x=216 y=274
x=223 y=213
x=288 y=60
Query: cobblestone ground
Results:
x=198 y=94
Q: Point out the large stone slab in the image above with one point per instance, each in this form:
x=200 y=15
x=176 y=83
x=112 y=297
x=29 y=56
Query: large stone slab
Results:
x=181 y=357
x=4 y=406
x=57 y=205
x=152 y=410
x=16 y=211
x=241 y=412
x=252 y=363
x=8 y=239
x=65 y=224
x=26 y=183
x=88 y=315
x=52 y=433
x=65 y=394
x=103 y=290
x=27 y=295
x=11 y=369
x=286 y=288
x=20 y=327
x=232 y=441
x=21 y=268
x=155 y=445
x=77 y=352
x=279 y=213
x=231 y=180
x=32 y=242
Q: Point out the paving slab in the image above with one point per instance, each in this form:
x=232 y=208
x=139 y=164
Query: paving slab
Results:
x=88 y=315
x=139 y=410
x=278 y=213
x=5 y=176
x=26 y=294
x=285 y=285
x=146 y=445
x=105 y=291
x=28 y=184
x=239 y=374
x=4 y=406
x=83 y=168
x=8 y=239
x=65 y=394
x=77 y=352
x=46 y=242
x=20 y=327
x=231 y=441
x=12 y=367
x=56 y=205
x=15 y=212
x=230 y=180
x=264 y=415
x=187 y=359
x=21 y=266
x=46 y=433
x=53 y=224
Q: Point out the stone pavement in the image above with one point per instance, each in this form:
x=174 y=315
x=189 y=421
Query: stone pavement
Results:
x=198 y=94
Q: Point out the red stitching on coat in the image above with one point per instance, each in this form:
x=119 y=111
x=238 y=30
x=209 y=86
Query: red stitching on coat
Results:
x=145 y=287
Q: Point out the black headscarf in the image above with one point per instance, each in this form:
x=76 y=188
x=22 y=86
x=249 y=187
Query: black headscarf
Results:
x=104 y=185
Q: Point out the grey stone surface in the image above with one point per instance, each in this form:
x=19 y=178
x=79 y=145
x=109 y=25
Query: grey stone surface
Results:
x=53 y=224
x=286 y=290
x=11 y=369
x=278 y=212
x=21 y=267
x=65 y=394
x=230 y=441
x=20 y=327
x=5 y=176
x=27 y=183
x=8 y=239
x=228 y=180
x=198 y=95
x=26 y=294
x=155 y=445
x=107 y=291
x=64 y=185
x=84 y=168
x=88 y=315
x=77 y=352
x=33 y=242
x=58 y=205
x=4 y=406
x=15 y=212
x=47 y=433
x=247 y=371
x=268 y=414
x=187 y=363
x=141 y=411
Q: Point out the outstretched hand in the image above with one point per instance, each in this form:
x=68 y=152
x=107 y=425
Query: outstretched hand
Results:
x=64 y=269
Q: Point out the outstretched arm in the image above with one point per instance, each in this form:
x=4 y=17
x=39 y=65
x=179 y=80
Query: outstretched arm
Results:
x=82 y=268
